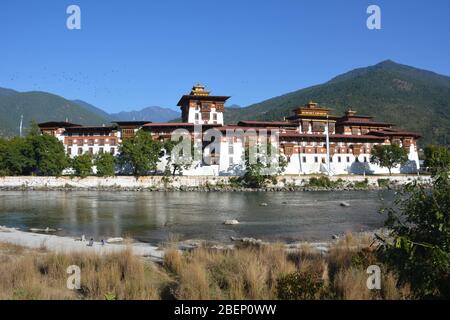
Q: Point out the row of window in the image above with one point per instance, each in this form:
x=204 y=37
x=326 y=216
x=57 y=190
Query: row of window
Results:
x=88 y=134
x=91 y=142
x=197 y=116
x=339 y=159
x=91 y=151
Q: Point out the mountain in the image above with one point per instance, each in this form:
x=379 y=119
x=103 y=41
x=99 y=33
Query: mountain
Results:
x=413 y=99
x=43 y=106
x=154 y=114
x=40 y=106
x=7 y=92
x=92 y=108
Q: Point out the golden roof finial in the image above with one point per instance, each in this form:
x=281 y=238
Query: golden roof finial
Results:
x=199 y=90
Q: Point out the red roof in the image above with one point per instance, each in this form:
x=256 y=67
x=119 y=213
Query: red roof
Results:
x=395 y=133
x=365 y=123
x=332 y=136
x=266 y=123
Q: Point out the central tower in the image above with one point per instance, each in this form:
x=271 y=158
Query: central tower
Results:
x=199 y=107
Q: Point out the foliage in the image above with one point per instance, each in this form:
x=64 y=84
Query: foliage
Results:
x=49 y=155
x=300 y=286
x=82 y=165
x=383 y=183
x=361 y=184
x=263 y=163
x=420 y=224
x=34 y=154
x=389 y=156
x=176 y=163
x=18 y=158
x=324 y=182
x=140 y=153
x=105 y=163
x=437 y=158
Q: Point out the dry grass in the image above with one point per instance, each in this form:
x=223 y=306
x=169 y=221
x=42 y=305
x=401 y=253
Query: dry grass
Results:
x=28 y=274
x=251 y=272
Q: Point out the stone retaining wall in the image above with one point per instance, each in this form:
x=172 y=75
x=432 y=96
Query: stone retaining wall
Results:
x=152 y=182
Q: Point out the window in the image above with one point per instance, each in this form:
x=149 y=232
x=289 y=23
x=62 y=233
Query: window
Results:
x=80 y=151
x=323 y=160
x=365 y=159
x=91 y=142
x=214 y=116
x=100 y=150
x=231 y=161
x=69 y=151
x=339 y=159
x=112 y=151
x=348 y=159
x=91 y=151
x=230 y=148
x=197 y=116
x=316 y=159
x=331 y=159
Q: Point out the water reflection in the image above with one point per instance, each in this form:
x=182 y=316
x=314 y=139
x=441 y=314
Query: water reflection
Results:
x=152 y=217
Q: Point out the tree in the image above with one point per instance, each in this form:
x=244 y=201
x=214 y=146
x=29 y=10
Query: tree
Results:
x=140 y=153
x=177 y=162
x=82 y=165
x=389 y=156
x=437 y=158
x=3 y=150
x=18 y=157
x=420 y=224
x=263 y=163
x=105 y=164
x=49 y=155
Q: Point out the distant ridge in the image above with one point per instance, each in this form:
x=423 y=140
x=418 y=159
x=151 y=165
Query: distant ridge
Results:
x=43 y=106
x=414 y=99
x=155 y=114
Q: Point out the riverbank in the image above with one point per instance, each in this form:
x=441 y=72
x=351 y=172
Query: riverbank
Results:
x=203 y=183
x=68 y=245
x=248 y=271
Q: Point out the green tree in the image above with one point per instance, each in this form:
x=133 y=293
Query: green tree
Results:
x=3 y=150
x=18 y=157
x=48 y=154
x=420 y=224
x=176 y=163
x=82 y=165
x=263 y=163
x=437 y=158
x=105 y=163
x=140 y=153
x=389 y=156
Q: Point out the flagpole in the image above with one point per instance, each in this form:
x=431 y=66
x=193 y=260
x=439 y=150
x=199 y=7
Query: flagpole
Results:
x=328 y=147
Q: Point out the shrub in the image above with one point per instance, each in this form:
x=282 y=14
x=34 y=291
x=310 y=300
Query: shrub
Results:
x=361 y=184
x=105 y=164
x=82 y=165
x=300 y=286
x=420 y=223
x=324 y=182
x=383 y=183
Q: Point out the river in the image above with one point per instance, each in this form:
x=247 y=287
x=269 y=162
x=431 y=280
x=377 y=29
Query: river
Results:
x=154 y=216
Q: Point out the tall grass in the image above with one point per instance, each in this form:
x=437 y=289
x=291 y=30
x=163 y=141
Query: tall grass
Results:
x=247 y=272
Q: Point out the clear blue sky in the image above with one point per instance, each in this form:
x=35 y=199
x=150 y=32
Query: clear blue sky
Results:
x=132 y=54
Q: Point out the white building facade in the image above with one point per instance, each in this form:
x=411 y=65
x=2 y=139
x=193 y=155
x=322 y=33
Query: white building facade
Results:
x=312 y=140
